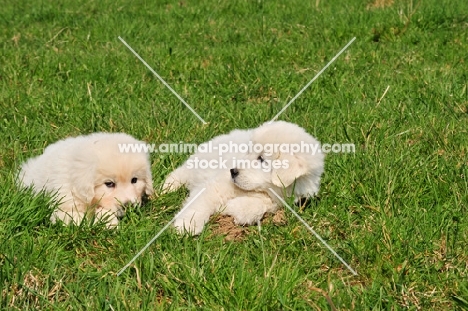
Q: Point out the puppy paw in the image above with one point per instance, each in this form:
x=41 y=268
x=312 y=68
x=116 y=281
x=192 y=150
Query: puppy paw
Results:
x=72 y=217
x=170 y=185
x=247 y=210
x=247 y=216
x=189 y=226
x=108 y=217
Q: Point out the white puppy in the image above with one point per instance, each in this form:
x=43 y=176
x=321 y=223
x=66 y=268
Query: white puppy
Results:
x=90 y=174
x=240 y=170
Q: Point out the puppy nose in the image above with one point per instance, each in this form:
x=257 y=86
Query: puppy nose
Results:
x=234 y=172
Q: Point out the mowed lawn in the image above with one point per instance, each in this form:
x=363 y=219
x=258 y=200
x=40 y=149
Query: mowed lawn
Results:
x=396 y=209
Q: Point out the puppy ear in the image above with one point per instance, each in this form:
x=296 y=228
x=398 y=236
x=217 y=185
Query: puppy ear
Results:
x=81 y=173
x=83 y=185
x=148 y=182
x=285 y=176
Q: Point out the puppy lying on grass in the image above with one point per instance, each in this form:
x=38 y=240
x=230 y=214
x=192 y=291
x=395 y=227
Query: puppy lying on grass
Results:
x=90 y=175
x=242 y=169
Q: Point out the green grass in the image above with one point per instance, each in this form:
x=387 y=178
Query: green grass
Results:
x=396 y=210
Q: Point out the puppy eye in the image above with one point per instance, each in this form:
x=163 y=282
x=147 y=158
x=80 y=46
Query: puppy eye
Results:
x=134 y=180
x=110 y=184
x=261 y=159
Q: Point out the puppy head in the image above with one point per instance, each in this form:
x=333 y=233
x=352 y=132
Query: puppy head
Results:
x=288 y=158
x=119 y=185
x=109 y=178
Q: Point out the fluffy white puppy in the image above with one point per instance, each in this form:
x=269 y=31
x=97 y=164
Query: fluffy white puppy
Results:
x=90 y=174
x=239 y=171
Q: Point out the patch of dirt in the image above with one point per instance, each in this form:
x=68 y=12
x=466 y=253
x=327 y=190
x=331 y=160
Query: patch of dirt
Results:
x=224 y=225
x=278 y=218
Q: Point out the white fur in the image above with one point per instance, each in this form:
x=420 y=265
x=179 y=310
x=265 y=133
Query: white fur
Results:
x=246 y=196
x=77 y=169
